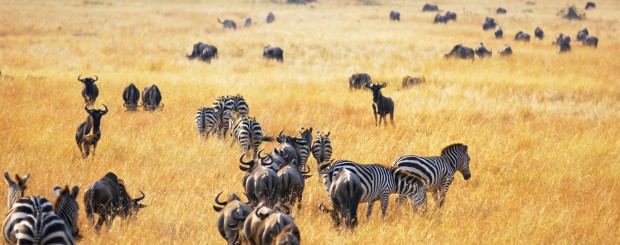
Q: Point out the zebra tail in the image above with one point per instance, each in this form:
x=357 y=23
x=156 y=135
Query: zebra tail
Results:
x=267 y=138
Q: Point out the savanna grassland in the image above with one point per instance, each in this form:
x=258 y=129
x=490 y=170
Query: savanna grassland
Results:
x=542 y=128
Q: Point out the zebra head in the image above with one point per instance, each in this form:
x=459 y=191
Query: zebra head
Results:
x=67 y=207
x=457 y=153
x=16 y=188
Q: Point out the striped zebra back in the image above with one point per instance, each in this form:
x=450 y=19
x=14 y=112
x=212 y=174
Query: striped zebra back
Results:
x=200 y=120
x=206 y=121
x=257 y=131
x=32 y=220
x=67 y=207
x=240 y=105
x=322 y=148
x=375 y=178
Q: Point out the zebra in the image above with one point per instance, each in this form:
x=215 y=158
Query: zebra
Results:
x=16 y=188
x=378 y=182
x=32 y=220
x=322 y=148
x=206 y=121
x=249 y=133
x=67 y=207
x=437 y=172
x=240 y=105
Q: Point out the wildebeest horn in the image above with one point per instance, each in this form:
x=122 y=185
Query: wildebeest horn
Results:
x=86 y=108
x=96 y=78
x=248 y=198
x=106 y=109
x=307 y=171
x=139 y=198
x=383 y=85
x=259 y=154
x=218 y=201
x=79 y=78
x=244 y=163
x=263 y=162
x=280 y=134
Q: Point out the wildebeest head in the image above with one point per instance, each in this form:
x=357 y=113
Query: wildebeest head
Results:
x=15 y=188
x=582 y=34
x=376 y=90
x=88 y=80
x=288 y=236
x=96 y=114
x=134 y=206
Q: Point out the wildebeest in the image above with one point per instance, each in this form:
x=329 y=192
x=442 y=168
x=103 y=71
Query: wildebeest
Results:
x=522 y=36
x=247 y=22
x=264 y=224
x=295 y=148
x=460 y=51
x=90 y=91
x=275 y=53
x=381 y=105
x=260 y=182
x=482 y=51
x=590 y=5
x=232 y=215
x=359 y=80
x=394 y=15
x=499 y=33
x=439 y=18
x=501 y=10
x=506 y=51
x=228 y=24
x=346 y=194
x=591 y=41
x=430 y=7
x=131 y=95
x=151 y=98
x=292 y=184
x=288 y=236
x=489 y=23
x=582 y=34
x=539 y=33
x=108 y=197
x=564 y=42
x=89 y=132
x=450 y=16
x=203 y=51
x=270 y=18
x=411 y=81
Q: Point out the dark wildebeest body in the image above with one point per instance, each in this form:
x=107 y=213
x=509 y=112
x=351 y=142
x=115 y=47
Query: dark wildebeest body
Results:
x=483 y=52
x=381 y=105
x=131 y=95
x=89 y=133
x=346 y=193
x=564 y=42
x=260 y=182
x=591 y=41
x=203 y=51
x=232 y=214
x=462 y=52
x=264 y=225
x=108 y=197
x=522 y=36
x=506 y=51
x=590 y=5
x=292 y=184
x=151 y=98
x=270 y=18
x=248 y=22
x=394 y=15
x=539 y=33
x=411 y=81
x=359 y=80
x=489 y=23
x=439 y=18
x=90 y=91
x=228 y=24
x=430 y=7
x=582 y=34
x=499 y=33
x=450 y=16
x=274 y=53
x=501 y=10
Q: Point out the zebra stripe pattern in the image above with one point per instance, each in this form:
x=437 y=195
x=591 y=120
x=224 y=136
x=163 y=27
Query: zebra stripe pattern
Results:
x=206 y=121
x=322 y=148
x=249 y=134
x=240 y=106
x=67 y=207
x=438 y=171
x=378 y=182
x=16 y=188
x=32 y=220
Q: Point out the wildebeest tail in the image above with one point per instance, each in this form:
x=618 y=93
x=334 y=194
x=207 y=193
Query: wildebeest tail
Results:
x=268 y=138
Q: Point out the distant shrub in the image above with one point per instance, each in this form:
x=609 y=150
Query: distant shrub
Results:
x=299 y=1
x=572 y=13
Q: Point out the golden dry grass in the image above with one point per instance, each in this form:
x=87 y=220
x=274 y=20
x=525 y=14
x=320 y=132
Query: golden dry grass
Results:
x=542 y=128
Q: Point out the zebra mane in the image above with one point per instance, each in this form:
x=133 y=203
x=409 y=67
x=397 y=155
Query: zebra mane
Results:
x=458 y=147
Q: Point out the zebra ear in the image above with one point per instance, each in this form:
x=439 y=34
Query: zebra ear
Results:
x=465 y=148
x=57 y=190
x=24 y=179
x=75 y=191
x=8 y=179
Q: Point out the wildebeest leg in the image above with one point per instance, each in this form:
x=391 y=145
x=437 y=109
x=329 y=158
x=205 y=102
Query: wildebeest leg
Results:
x=371 y=204
x=374 y=109
x=109 y=223
x=79 y=146
x=86 y=150
x=335 y=210
x=100 y=221
x=299 y=197
x=392 y=117
x=94 y=148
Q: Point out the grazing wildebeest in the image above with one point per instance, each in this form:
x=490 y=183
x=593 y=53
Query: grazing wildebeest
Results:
x=203 y=51
x=288 y=236
x=248 y=22
x=591 y=41
x=228 y=24
x=346 y=193
x=292 y=184
x=506 y=51
x=381 y=105
x=232 y=215
x=131 y=95
x=439 y=18
x=270 y=18
x=89 y=133
x=460 y=51
x=430 y=7
x=394 y=15
x=501 y=10
x=590 y=5
x=265 y=224
x=90 y=91
x=274 y=53
x=564 y=42
x=450 y=16
x=582 y=34
x=522 y=36
x=489 y=23
x=499 y=33
x=411 y=81
x=539 y=33
x=108 y=197
x=483 y=52
x=359 y=80
x=151 y=98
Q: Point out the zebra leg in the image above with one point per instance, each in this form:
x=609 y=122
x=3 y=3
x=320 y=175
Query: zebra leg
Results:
x=371 y=204
x=384 y=204
x=444 y=189
x=374 y=109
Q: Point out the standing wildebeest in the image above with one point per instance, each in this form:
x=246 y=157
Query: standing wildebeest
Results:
x=411 y=81
x=275 y=53
x=394 y=15
x=260 y=182
x=270 y=18
x=489 y=23
x=590 y=5
x=499 y=33
x=151 y=98
x=108 y=197
x=131 y=95
x=228 y=24
x=564 y=42
x=232 y=214
x=430 y=7
x=506 y=51
x=89 y=133
x=90 y=91
x=539 y=33
x=582 y=34
x=522 y=36
x=450 y=16
x=439 y=18
x=292 y=184
x=381 y=105
x=203 y=51
x=264 y=225
x=359 y=80
x=346 y=193
x=483 y=52
x=501 y=10
x=591 y=41
x=460 y=51
x=248 y=22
